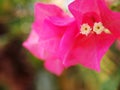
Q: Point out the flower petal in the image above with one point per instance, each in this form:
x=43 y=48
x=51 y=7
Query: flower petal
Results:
x=103 y=42
x=49 y=46
x=88 y=51
x=50 y=27
x=61 y=21
x=67 y=41
x=51 y=13
x=110 y=19
x=41 y=48
x=43 y=11
x=32 y=44
x=85 y=52
x=54 y=65
x=80 y=7
x=50 y=20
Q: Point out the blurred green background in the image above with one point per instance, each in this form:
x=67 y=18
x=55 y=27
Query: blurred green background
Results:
x=20 y=70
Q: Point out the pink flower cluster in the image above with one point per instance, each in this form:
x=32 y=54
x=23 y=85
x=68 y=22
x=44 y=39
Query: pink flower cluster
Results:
x=63 y=41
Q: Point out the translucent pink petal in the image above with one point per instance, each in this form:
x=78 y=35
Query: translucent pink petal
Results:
x=52 y=28
x=50 y=47
x=48 y=31
x=50 y=12
x=32 y=44
x=103 y=43
x=110 y=19
x=67 y=41
x=61 y=21
x=41 y=48
x=50 y=20
x=43 y=11
x=88 y=51
x=50 y=37
x=84 y=52
x=54 y=23
x=80 y=7
x=54 y=65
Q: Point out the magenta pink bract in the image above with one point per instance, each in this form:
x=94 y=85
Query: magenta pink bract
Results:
x=56 y=38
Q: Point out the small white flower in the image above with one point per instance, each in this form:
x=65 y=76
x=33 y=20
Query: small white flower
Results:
x=85 y=29
x=98 y=28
